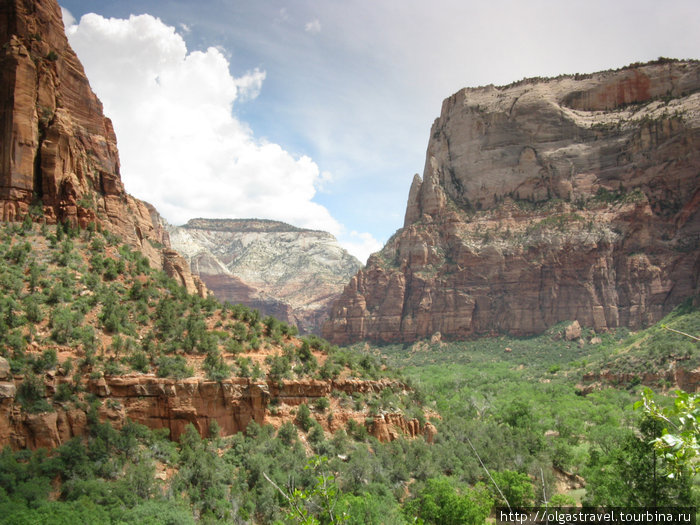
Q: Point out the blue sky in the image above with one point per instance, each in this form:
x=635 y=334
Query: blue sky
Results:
x=318 y=112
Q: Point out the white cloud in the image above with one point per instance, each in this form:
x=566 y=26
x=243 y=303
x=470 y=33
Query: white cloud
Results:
x=68 y=18
x=361 y=245
x=181 y=148
x=313 y=26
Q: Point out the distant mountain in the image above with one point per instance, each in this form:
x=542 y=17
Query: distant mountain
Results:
x=291 y=273
x=547 y=200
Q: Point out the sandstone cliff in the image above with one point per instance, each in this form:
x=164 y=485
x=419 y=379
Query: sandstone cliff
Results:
x=173 y=404
x=58 y=152
x=542 y=201
x=291 y=273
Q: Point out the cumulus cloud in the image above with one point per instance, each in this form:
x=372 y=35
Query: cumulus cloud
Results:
x=313 y=26
x=180 y=146
x=68 y=18
x=361 y=245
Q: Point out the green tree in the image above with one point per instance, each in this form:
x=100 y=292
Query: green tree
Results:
x=630 y=473
x=442 y=501
x=678 y=442
x=318 y=504
x=516 y=487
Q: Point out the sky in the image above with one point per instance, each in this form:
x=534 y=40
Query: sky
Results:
x=318 y=112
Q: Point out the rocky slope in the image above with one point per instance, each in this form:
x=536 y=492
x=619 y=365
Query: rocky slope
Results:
x=173 y=404
x=58 y=152
x=88 y=327
x=546 y=200
x=290 y=273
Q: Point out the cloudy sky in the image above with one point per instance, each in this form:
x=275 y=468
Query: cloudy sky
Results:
x=318 y=112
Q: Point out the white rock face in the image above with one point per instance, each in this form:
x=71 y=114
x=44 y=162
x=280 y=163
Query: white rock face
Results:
x=291 y=273
x=560 y=138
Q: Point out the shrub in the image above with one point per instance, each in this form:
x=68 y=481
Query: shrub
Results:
x=322 y=404
x=443 y=501
x=304 y=418
x=175 y=367
x=139 y=361
x=31 y=394
x=215 y=367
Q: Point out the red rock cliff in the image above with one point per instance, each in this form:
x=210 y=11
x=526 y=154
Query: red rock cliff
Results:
x=174 y=403
x=547 y=200
x=58 y=151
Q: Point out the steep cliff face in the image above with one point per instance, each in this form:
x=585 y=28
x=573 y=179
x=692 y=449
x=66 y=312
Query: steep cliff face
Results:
x=58 y=152
x=290 y=273
x=569 y=198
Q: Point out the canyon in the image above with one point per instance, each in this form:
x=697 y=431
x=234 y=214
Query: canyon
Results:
x=59 y=166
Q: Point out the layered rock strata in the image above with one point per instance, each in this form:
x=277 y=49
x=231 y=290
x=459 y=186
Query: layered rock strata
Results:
x=291 y=273
x=550 y=199
x=58 y=152
x=173 y=404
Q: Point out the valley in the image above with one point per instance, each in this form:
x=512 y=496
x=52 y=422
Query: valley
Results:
x=499 y=350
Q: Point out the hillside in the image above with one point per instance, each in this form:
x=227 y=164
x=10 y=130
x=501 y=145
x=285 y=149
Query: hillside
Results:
x=291 y=273
x=104 y=343
x=83 y=315
x=543 y=201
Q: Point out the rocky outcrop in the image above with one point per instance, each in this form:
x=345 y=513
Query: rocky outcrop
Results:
x=573 y=198
x=176 y=266
x=174 y=403
x=676 y=377
x=58 y=152
x=291 y=273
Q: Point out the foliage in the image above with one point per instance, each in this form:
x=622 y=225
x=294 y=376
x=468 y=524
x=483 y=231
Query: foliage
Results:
x=626 y=471
x=318 y=503
x=678 y=442
x=442 y=501
x=516 y=488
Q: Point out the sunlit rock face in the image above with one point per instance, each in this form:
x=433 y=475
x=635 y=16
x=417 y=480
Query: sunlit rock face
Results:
x=291 y=273
x=58 y=151
x=550 y=199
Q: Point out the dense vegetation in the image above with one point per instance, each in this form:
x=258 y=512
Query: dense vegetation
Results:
x=83 y=293
x=517 y=422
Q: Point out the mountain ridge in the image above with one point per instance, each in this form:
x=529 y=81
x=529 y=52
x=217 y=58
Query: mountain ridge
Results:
x=285 y=271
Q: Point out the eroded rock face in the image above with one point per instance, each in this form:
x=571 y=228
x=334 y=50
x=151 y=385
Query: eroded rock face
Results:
x=173 y=404
x=58 y=152
x=291 y=273
x=573 y=198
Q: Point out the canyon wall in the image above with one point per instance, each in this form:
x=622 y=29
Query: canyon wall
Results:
x=173 y=404
x=574 y=198
x=58 y=152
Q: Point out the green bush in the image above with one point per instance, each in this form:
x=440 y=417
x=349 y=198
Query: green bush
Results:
x=441 y=500
x=303 y=417
x=175 y=367
x=31 y=394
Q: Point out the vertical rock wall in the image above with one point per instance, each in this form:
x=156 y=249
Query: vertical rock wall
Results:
x=547 y=200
